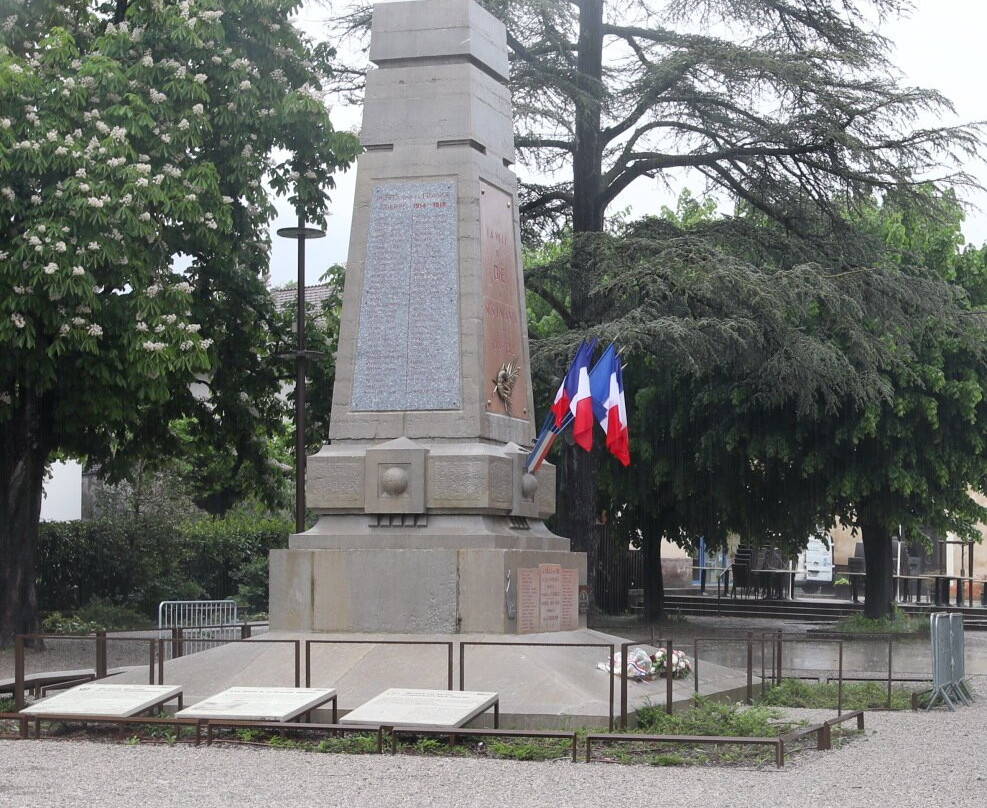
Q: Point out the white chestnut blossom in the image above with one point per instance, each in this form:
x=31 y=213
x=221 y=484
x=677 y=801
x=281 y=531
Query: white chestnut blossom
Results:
x=95 y=330
x=18 y=320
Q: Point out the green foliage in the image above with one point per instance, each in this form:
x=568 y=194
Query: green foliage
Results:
x=351 y=744
x=113 y=617
x=897 y=622
x=58 y=623
x=97 y=615
x=138 y=563
x=284 y=742
x=818 y=695
x=709 y=718
x=529 y=749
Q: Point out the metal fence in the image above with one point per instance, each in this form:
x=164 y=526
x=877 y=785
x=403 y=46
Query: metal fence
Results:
x=202 y=622
x=948 y=660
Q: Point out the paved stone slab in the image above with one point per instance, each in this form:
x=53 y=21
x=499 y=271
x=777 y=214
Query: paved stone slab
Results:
x=259 y=703
x=105 y=700
x=406 y=707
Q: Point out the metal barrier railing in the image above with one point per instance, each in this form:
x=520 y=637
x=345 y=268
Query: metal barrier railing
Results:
x=772 y=645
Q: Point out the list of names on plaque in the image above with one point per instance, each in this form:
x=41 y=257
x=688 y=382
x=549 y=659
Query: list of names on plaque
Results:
x=551 y=596
x=528 y=600
x=570 y=600
x=407 y=353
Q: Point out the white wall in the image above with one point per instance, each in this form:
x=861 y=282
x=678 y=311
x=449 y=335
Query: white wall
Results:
x=63 y=493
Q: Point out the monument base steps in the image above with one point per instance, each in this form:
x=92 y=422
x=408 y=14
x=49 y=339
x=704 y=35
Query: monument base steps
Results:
x=542 y=687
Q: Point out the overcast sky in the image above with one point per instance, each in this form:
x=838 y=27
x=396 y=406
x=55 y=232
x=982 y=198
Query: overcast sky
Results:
x=939 y=46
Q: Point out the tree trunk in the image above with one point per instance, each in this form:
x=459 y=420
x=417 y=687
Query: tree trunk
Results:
x=23 y=458
x=654 y=582
x=576 y=518
x=877 y=559
x=578 y=478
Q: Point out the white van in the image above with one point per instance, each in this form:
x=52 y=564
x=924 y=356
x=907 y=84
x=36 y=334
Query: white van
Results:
x=815 y=565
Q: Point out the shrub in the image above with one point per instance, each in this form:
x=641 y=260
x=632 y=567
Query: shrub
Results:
x=138 y=562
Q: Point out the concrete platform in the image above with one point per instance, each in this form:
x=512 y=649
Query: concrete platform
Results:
x=539 y=686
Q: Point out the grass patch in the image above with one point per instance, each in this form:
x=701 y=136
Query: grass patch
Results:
x=349 y=744
x=710 y=718
x=856 y=695
x=897 y=623
x=529 y=748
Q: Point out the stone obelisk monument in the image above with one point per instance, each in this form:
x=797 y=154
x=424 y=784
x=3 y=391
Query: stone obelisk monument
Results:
x=428 y=522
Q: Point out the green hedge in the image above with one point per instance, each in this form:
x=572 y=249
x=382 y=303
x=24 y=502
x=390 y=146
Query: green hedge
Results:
x=138 y=563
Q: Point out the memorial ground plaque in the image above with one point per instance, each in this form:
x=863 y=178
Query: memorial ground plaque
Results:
x=259 y=703
x=409 y=707
x=105 y=700
x=408 y=337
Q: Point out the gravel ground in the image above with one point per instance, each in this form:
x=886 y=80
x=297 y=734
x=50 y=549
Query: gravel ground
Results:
x=903 y=759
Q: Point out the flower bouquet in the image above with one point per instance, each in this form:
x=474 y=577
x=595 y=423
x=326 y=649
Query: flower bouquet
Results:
x=681 y=666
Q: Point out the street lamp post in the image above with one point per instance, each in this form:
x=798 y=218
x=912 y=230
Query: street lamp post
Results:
x=301 y=233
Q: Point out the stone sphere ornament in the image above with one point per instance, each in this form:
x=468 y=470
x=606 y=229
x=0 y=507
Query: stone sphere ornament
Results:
x=394 y=481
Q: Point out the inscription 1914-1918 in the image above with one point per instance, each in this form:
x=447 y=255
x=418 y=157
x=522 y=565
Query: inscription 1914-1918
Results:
x=407 y=355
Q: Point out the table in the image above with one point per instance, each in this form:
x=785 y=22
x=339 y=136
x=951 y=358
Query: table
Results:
x=940 y=588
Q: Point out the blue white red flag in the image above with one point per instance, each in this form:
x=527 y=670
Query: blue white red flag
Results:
x=615 y=422
x=599 y=382
x=570 y=384
x=581 y=402
x=543 y=444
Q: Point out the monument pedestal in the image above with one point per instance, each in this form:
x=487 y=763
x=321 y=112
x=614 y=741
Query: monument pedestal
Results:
x=412 y=591
x=446 y=555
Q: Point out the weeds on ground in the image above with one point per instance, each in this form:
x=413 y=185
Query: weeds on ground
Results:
x=529 y=748
x=897 y=623
x=856 y=695
x=349 y=744
x=710 y=718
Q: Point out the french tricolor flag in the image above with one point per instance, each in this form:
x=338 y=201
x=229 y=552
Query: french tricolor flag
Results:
x=543 y=443
x=581 y=402
x=609 y=407
x=615 y=425
x=570 y=384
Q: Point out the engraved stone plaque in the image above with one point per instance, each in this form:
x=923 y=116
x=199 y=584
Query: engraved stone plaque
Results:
x=405 y=706
x=569 y=619
x=105 y=700
x=503 y=340
x=551 y=596
x=407 y=353
x=528 y=601
x=259 y=703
